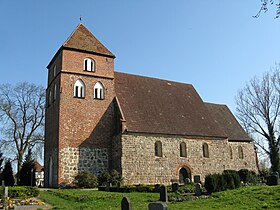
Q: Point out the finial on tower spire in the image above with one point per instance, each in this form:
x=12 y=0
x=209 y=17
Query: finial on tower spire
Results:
x=80 y=18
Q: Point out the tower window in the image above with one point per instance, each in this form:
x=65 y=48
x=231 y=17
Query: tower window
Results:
x=79 y=89
x=205 y=150
x=183 y=149
x=98 y=91
x=54 y=70
x=50 y=97
x=89 y=65
x=158 y=149
x=54 y=92
x=230 y=152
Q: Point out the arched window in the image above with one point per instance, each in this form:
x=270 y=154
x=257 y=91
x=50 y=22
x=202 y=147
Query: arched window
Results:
x=98 y=91
x=158 y=149
x=79 y=89
x=183 y=149
x=240 y=152
x=89 y=64
x=54 y=92
x=230 y=152
x=205 y=150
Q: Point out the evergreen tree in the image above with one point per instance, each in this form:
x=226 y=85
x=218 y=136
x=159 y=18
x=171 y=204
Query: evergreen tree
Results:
x=7 y=174
x=27 y=172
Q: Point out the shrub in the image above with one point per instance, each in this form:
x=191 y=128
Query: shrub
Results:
x=211 y=182
x=247 y=176
x=7 y=174
x=114 y=177
x=23 y=192
x=232 y=179
x=86 y=179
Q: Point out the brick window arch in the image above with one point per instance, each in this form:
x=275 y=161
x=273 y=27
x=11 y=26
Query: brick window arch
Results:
x=240 y=152
x=79 y=89
x=183 y=149
x=205 y=150
x=99 y=91
x=89 y=64
x=158 y=149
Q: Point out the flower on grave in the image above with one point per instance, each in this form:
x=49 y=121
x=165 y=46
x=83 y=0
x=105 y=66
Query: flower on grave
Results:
x=22 y=203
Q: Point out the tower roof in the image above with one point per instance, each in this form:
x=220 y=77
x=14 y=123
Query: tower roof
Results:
x=82 y=39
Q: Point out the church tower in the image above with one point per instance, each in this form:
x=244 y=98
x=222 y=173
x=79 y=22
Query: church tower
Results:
x=80 y=109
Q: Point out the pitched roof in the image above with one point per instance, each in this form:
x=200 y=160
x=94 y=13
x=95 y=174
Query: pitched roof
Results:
x=38 y=166
x=158 y=106
x=83 y=39
x=224 y=118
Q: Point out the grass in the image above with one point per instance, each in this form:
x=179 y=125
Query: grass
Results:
x=257 y=197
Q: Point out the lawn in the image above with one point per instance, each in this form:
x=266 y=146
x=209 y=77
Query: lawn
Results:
x=257 y=197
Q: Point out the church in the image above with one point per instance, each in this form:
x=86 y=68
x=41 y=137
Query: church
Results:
x=152 y=131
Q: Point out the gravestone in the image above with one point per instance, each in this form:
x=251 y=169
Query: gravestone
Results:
x=175 y=187
x=198 y=189
x=272 y=180
x=108 y=185
x=126 y=205
x=196 y=179
x=157 y=206
x=157 y=187
x=163 y=194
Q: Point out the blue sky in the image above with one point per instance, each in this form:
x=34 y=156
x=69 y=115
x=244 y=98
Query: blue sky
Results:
x=215 y=45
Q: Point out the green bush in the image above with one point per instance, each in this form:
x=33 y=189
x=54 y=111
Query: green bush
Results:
x=23 y=192
x=232 y=179
x=229 y=179
x=114 y=177
x=86 y=179
x=247 y=176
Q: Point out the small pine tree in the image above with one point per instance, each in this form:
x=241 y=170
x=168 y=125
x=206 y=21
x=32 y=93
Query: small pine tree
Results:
x=7 y=174
x=27 y=172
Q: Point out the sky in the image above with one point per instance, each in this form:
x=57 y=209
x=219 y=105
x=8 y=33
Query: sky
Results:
x=217 y=46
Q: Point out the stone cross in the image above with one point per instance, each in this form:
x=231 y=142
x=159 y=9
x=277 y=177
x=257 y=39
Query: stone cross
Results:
x=163 y=194
x=157 y=206
x=126 y=205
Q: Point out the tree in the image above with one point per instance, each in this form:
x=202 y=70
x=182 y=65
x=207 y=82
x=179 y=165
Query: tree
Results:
x=258 y=109
x=22 y=114
x=7 y=174
x=27 y=172
x=264 y=7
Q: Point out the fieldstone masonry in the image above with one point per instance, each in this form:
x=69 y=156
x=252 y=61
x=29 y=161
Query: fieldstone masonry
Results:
x=74 y=160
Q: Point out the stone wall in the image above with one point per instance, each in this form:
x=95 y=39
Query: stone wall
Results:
x=74 y=160
x=140 y=165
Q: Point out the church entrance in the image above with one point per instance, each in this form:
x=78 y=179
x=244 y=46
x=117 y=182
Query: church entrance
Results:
x=184 y=175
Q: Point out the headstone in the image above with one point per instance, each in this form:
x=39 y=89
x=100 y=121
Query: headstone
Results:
x=272 y=180
x=108 y=184
x=198 y=189
x=175 y=187
x=276 y=174
x=157 y=206
x=196 y=179
x=126 y=205
x=118 y=185
x=163 y=194
x=157 y=187
x=3 y=183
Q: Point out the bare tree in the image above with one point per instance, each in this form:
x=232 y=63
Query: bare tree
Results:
x=22 y=112
x=265 y=5
x=258 y=109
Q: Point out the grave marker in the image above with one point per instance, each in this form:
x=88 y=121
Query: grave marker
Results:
x=163 y=194
x=157 y=206
x=126 y=205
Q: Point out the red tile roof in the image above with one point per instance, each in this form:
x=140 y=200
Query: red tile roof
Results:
x=224 y=118
x=82 y=39
x=158 y=106
x=38 y=166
